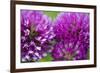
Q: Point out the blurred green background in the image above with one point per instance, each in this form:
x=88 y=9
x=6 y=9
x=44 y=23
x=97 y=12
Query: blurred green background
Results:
x=51 y=14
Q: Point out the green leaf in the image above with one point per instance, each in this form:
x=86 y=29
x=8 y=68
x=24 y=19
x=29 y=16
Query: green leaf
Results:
x=47 y=58
x=88 y=54
x=51 y=14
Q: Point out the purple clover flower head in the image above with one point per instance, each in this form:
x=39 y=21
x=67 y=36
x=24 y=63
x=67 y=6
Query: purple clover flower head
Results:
x=36 y=31
x=72 y=36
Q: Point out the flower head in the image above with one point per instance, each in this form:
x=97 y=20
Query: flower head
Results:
x=72 y=36
x=36 y=31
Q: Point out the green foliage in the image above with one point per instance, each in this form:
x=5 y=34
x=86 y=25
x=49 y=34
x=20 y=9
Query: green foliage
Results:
x=47 y=58
x=88 y=54
x=51 y=14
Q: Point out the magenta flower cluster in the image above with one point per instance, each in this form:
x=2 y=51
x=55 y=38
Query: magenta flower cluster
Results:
x=36 y=32
x=65 y=38
x=72 y=35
